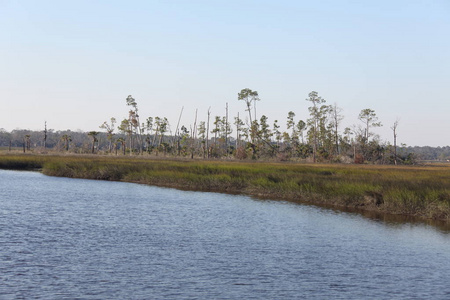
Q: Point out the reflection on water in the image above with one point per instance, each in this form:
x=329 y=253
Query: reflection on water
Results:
x=387 y=219
x=65 y=238
x=399 y=220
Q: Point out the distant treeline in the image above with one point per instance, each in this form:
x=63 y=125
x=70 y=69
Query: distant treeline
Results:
x=430 y=153
x=80 y=142
x=247 y=136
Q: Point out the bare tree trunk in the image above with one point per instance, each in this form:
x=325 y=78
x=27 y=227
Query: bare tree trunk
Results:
x=160 y=140
x=155 y=136
x=176 y=130
x=251 y=122
x=394 y=129
x=395 y=149
x=45 y=135
x=226 y=131
x=237 y=132
x=131 y=139
x=194 y=135
x=207 y=132
x=315 y=145
x=254 y=107
x=140 y=140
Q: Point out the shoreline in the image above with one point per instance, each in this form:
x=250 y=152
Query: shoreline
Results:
x=421 y=192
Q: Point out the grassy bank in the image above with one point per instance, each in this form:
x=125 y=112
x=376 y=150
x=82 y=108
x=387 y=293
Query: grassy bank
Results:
x=422 y=191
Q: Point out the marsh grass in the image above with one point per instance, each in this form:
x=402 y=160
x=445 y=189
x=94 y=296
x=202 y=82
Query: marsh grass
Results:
x=21 y=162
x=420 y=191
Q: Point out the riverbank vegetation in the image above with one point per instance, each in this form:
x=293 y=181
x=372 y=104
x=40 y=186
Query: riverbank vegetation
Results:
x=422 y=191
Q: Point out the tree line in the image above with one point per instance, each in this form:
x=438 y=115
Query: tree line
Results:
x=319 y=138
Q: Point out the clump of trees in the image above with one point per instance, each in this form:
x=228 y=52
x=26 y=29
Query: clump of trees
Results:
x=319 y=138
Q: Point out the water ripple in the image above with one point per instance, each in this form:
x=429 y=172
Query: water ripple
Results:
x=82 y=239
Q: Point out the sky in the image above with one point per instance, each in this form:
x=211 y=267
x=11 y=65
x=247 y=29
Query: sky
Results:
x=72 y=64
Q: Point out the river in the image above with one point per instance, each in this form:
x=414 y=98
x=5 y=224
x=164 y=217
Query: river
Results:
x=82 y=239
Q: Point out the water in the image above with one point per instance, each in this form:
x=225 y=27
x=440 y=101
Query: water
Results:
x=80 y=239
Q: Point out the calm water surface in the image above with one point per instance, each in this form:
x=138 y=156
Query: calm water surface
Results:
x=80 y=239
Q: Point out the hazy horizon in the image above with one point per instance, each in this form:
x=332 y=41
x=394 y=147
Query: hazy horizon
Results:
x=73 y=64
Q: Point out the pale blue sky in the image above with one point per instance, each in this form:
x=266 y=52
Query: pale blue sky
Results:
x=73 y=63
